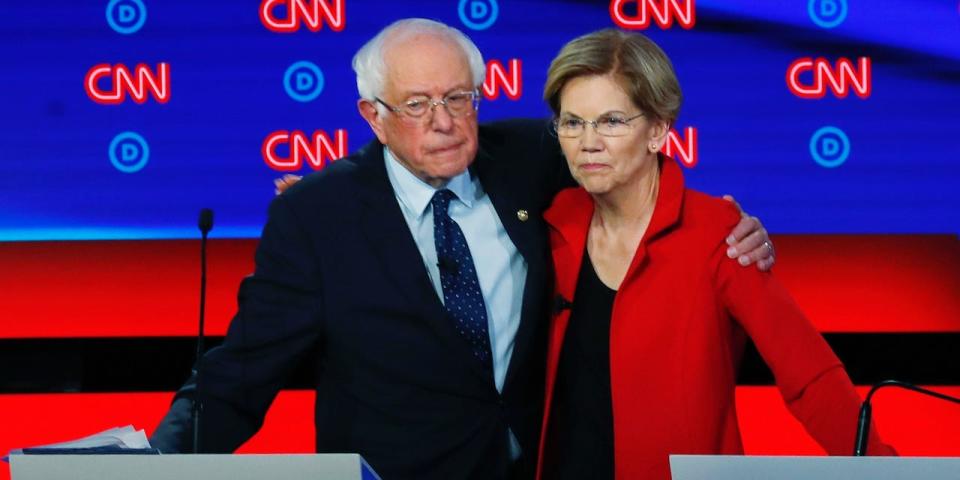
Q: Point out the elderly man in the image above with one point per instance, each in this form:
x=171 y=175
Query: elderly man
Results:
x=414 y=273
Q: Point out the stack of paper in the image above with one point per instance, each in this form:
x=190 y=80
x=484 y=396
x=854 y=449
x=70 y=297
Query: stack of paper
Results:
x=117 y=440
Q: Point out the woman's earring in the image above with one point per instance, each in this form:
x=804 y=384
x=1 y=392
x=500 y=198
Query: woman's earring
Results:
x=654 y=148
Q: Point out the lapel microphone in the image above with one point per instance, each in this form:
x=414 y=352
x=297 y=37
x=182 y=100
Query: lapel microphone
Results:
x=447 y=264
x=560 y=304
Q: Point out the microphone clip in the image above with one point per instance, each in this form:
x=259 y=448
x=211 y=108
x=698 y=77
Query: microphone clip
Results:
x=560 y=304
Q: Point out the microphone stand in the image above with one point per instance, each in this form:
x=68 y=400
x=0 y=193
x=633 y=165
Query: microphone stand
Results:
x=863 y=421
x=205 y=224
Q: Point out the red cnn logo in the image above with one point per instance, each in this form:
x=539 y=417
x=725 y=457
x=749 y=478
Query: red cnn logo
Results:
x=122 y=82
x=318 y=149
x=307 y=11
x=841 y=79
x=683 y=150
x=662 y=11
x=500 y=78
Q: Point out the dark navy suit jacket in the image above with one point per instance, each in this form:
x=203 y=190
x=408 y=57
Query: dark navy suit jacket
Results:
x=339 y=282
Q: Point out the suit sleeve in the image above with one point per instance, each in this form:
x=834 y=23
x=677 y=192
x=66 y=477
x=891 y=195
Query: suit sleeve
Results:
x=277 y=323
x=533 y=142
x=552 y=161
x=810 y=377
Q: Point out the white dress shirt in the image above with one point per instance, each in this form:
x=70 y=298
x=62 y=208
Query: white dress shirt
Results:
x=501 y=270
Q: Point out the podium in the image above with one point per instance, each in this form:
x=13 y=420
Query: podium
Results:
x=740 y=467
x=207 y=467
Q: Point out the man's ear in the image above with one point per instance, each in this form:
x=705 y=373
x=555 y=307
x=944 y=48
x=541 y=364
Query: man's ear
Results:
x=368 y=110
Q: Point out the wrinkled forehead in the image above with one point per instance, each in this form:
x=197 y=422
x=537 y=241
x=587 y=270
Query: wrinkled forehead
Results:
x=595 y=95
x=404 y=39
x=425 y=63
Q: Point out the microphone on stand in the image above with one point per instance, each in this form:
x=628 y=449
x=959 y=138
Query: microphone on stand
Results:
x=205 y=223
x=863 y=421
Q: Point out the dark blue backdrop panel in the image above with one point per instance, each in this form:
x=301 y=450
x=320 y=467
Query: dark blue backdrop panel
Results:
x=227 y=95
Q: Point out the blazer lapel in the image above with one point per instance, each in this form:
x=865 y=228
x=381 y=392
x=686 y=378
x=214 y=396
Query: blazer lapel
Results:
x=518 y=218
x=523 y=223
x=388 y=234
x=393 y=245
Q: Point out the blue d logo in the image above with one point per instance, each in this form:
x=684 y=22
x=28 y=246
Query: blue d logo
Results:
x=829 y=147
x=478 y=14
x=126 y=16
x=303 y=81
x=827 y=13
x=129 y=152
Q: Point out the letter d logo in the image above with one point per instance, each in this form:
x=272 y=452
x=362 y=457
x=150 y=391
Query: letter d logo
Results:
x=126 y=16
x=478 y=14
x=827 y=13
x=129 y=152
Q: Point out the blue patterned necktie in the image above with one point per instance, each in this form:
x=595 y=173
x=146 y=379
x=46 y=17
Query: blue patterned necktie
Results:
x=462 y=297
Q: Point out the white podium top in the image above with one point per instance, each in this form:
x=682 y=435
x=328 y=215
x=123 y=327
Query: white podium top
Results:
x=206 y=467
x=739 y=467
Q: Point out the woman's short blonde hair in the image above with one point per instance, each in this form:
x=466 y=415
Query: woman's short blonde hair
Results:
x=638 y=65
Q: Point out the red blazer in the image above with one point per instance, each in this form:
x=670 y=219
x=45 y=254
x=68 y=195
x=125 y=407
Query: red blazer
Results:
x=680 y=321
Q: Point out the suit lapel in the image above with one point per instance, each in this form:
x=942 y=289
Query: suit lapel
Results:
x=393 y=245
x=502 y=190
x=521 y=220
x=388 y=233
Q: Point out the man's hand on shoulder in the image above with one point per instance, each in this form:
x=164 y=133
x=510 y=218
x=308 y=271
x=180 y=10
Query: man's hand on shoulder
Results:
x=285 y=182
x=749 y=242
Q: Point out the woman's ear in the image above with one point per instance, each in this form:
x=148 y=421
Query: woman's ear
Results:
x=658 y=135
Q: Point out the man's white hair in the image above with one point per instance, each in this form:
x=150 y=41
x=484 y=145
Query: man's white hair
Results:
x=371 y=66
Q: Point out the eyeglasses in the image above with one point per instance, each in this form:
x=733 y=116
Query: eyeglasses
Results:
x=608 y=125
x=457 y=104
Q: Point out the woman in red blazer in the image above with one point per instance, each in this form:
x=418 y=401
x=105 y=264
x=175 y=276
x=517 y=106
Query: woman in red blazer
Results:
x=653 y=316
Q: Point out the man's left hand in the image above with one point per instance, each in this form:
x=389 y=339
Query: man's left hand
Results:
x=749 y=242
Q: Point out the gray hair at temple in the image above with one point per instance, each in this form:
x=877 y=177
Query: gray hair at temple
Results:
x=371 y=66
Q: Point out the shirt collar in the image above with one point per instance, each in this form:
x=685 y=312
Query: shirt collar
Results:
x=415 y=194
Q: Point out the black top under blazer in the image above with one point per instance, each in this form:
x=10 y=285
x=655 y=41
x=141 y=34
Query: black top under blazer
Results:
x=340 y=283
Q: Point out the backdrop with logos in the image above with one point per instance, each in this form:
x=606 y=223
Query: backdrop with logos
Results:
x=123 y=118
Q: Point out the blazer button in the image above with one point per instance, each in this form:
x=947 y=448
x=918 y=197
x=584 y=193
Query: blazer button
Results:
x=522 y=215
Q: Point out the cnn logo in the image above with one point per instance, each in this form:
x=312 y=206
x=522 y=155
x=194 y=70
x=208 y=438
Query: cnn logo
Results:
x=317 y=150
x=140 y=85
x=841 y=78
x=642 y=13
x=286 y=16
